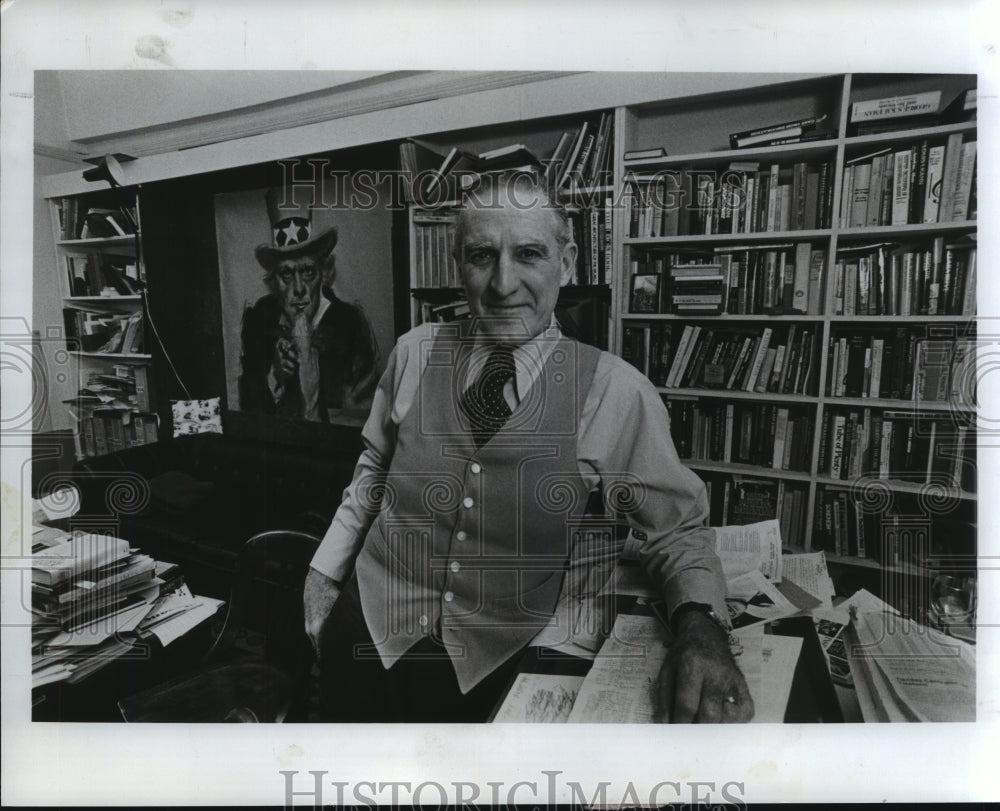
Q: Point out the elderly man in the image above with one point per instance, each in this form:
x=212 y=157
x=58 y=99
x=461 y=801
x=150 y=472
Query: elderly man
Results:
x=449 y=550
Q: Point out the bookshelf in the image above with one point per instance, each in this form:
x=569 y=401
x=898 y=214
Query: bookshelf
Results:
x=100 y=273
x=916 y=263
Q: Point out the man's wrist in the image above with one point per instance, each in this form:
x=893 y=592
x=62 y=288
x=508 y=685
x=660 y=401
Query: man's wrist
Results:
x=691 y=612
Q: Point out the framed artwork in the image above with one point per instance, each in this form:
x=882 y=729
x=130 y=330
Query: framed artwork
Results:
x=307 y=322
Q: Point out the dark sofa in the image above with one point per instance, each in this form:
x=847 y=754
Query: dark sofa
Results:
x=194 y=500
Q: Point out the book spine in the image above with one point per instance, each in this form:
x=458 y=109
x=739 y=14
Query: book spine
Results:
x=801 y=123
x=859 y=196
x=875 y=190
x=963 y=187
x=901 y=187
x=949 y=177
x=676 y=368
x=780 y=438
x=773 y=198
x=969 y=293
x=919 y=190
x=839 y=424
x=932 y=191
x=846 y=197
x=758 y=360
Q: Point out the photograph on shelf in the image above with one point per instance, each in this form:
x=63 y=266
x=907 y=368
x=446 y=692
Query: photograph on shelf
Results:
x=645 y=296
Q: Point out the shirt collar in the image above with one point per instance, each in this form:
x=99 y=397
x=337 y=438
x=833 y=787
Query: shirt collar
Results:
x=529 y=358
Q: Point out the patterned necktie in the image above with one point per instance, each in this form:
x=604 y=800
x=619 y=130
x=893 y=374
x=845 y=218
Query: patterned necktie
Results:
x=483 y=402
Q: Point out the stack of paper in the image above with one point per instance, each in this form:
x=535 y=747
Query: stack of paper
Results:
x=908 y=672
x=93 y=597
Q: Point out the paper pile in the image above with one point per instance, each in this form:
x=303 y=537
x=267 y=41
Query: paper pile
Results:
x=904 y=671
x=93 y=598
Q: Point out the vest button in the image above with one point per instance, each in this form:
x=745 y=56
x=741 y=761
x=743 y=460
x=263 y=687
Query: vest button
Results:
x=467 y=502
x=460 y=535
x=423 y=620
x=475 y=468
x=455 y=566
x=448 y=596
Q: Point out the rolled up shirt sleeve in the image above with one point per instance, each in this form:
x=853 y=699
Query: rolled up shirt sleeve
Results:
x=361 y=502
x=625 y=438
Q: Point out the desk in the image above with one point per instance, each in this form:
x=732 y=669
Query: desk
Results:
x=812 y=699
x=96 y=697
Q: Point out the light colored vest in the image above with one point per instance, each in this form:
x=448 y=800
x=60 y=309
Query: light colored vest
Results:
x=474 y=543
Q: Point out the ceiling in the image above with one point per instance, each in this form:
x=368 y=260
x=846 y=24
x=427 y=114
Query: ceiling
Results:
x=81 y=113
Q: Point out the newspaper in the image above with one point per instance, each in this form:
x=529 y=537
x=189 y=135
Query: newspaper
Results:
x=622 y=686
x=750 y=547
x=909 y=672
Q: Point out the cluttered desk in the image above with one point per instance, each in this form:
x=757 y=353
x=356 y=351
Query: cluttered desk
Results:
x=805 y=658
x=101 y=605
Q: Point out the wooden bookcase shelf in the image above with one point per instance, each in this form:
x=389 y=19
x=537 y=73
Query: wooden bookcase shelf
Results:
x=102 y=279
x=694 y=133
x=731 y=394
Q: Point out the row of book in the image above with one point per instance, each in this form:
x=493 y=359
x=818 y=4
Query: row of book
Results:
x=921 y=183
x=745 y=198
x=77 y=220
x=902 y=363
x=105 y=332
x=738 y=500
x=888 y=279
x=434 y=232
x=93 y=598
x=580 y=159
x=103 y=430
x=842 y=528
x=433 y=263
x=100 y=275
x=898 y=445
x=746 y=433
x=770 y=280
x=748 y=359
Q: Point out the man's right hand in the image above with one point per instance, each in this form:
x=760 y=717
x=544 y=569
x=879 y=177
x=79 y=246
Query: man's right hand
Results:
x=286 y=359
x=318 y=596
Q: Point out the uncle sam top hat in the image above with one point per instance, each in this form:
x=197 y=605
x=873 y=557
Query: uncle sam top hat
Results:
x=291 y=229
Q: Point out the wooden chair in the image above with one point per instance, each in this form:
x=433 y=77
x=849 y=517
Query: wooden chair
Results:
x=232 y=685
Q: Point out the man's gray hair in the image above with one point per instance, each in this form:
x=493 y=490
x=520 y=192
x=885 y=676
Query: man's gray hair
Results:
x=520 y=188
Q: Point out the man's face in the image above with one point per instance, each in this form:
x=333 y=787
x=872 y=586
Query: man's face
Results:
x=512 y=266
x=298 y=283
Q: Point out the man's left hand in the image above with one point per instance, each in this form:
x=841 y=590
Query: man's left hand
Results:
x=700 y=682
